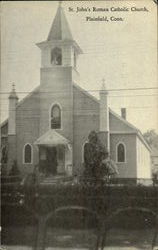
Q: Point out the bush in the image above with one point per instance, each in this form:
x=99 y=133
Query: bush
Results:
x=14 y=169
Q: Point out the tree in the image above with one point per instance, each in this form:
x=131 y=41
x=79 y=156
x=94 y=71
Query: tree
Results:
x=96 y=159
x=151 y=138
x=14 y=169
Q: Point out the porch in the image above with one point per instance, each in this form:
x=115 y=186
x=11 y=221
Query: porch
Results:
x=55 y=154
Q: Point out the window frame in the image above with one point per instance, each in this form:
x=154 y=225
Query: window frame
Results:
x=51 y=55
x=4 y=147
x=50 y=117
x=117 y=145
x=31 y=162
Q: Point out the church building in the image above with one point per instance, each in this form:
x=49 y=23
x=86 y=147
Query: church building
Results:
x=50 y=126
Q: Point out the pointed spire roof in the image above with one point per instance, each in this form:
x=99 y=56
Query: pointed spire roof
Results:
x=13 y=93
x=60 y=28
x=103 y=87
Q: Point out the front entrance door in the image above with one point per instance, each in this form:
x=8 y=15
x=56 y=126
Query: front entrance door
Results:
x=61 y=159
x=51 y=160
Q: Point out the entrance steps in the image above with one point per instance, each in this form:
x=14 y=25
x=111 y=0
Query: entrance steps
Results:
x=53 y=180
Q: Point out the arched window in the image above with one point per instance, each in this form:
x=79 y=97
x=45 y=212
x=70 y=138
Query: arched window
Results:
x=121 y=152
x=27 y=154
x=56 y=56
x=4 y=157
x=55 y=117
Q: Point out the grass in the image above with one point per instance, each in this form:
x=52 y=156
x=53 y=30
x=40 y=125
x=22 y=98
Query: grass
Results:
x=57 y=238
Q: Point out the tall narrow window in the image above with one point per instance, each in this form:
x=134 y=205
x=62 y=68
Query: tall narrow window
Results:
x=120 y=152
x=4 y=154
x=28 y=153
x=55 y=117
x=56 y=56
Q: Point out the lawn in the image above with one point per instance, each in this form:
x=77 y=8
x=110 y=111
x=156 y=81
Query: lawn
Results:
x=77 y=239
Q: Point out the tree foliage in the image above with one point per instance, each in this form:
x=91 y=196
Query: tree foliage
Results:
x=96 y=159
x=151 y=138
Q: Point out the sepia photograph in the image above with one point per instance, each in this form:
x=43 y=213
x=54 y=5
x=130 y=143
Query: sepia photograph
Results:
x=79 y=125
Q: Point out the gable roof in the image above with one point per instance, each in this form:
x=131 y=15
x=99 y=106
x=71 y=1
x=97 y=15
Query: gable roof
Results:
x=51 y=137
x=75 y=85
x=60 y=28
x=35 y=90
x=20 y=102
x=127 y=127
x=130 y=126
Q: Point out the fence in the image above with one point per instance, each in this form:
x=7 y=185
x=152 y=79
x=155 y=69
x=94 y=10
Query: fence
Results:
x=105 y=199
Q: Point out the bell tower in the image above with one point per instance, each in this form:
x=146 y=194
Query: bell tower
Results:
x=58 y=71
x=60 y=49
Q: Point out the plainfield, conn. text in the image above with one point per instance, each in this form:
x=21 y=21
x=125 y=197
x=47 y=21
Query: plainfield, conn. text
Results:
x=104 y=18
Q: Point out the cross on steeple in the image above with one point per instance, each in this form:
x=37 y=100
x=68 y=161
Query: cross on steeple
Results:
x=103 y=84
x=13 y=92
x=64 y=49
x=60 y=29
x=13 y=87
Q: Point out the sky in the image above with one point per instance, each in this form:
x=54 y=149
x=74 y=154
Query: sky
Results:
x=124 y=53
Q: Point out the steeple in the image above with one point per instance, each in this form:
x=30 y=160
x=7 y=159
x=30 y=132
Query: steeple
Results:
x=60 y=49
x=13 y=100
x=103 y=88
x=104 y=109
x=60 y=28
x=13 y=93
x=104 y=116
